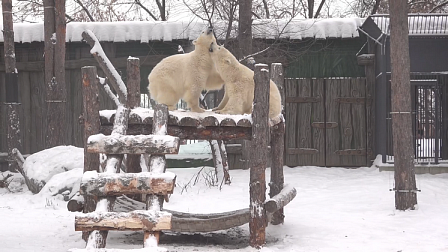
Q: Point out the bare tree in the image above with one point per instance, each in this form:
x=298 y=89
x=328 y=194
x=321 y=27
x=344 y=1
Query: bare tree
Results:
x=405 y=185
x=369 y=7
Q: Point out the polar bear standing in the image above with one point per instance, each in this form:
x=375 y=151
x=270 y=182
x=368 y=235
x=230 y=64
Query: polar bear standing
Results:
x=239 y=85
x=185 y=75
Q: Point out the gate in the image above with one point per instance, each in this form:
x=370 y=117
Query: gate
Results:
x=326 y=123
x=428 y=112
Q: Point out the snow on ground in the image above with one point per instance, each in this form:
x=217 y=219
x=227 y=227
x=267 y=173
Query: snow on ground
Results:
x=336 y=209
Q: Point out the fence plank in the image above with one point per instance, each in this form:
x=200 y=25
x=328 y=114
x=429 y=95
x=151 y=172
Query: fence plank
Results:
x=318 y=111
x=303 y=127
x=359 y=121
x=291 y=121
x=346 y=129
x=332 y=136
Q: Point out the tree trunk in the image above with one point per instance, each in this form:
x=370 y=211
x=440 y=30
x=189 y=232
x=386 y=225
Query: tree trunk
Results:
x=405 y=185
x=245 y=28
x=12 y=87
x=258 y=158
x=91 y=118
x=54 y=30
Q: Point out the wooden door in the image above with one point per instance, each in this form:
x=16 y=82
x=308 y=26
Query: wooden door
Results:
x=304 y=142
x=325 y=122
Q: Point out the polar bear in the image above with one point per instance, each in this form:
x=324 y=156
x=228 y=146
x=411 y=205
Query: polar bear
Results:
x=239 y=85
x=185 y=75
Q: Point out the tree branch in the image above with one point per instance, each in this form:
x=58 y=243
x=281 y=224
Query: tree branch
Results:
x=146 y=9
x=319 y=9
x=438 y=7
x=86 y=10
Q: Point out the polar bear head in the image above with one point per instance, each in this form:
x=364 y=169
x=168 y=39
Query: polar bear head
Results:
x=222 y=57
x=205 y=38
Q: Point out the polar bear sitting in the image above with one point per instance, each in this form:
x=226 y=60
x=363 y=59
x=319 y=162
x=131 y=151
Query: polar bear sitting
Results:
x=185 y=75
x=239 y=85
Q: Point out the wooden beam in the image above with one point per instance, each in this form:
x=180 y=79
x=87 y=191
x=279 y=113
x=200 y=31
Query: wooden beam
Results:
x=218 y=133
x=366 y=59
x=286 y=195
x=133 y=221
x=109 y=184
x=128 y=144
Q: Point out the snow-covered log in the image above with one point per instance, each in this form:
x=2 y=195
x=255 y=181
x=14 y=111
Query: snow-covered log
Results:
x=127 y=144
x=108 y=184
x=280 y=200
x=157 y=165
x=76 y=203
x=105 y=64
x=33 y=186
x=135 y=220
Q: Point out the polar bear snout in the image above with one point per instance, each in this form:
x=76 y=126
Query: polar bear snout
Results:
x=209 y=30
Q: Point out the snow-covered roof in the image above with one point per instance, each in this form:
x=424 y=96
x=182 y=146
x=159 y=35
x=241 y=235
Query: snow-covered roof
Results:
x=145 y=31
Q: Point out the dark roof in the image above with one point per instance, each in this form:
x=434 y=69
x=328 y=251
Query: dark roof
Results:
x=419 y=25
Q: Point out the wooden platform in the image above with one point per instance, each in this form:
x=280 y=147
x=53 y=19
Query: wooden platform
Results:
x=186 y=124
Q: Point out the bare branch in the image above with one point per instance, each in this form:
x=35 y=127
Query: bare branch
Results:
x=86 y=10
x=438 y=7
x=319 y=9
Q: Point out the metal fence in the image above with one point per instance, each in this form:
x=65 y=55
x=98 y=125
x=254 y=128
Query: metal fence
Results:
x=427 y=118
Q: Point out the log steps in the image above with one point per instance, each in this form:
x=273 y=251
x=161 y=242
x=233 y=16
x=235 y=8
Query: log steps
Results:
x=156 y=184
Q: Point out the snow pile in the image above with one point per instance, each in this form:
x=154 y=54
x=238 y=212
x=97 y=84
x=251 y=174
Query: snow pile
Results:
x=145 y=31
x=41 y=166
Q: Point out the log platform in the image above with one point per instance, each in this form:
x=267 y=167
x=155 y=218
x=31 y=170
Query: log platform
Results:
x=187 y=125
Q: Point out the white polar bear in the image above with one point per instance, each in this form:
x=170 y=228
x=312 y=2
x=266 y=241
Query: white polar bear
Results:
x=185 y=75
x=239 y=85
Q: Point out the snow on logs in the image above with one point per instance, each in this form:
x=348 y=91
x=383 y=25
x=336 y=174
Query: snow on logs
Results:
x=186 y=125
x=109 y=184
x=128 y=144
x=147 y=220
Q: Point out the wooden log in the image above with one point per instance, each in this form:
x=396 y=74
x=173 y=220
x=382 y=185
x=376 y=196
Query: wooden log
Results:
x=20 y=160
x=127 y=144
x=217 y=133
x=97 y=238
x=157 y=164
x=258 y=158
x=91 y=107
x=133 y=85
x=278 y=78
x=133 y=221
x=108 y=184
x=104 y=63
x=76 y=203
x=280 y=200
x=277 y=177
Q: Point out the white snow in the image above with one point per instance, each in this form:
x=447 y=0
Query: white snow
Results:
x=43 y=165
x=145 y=31
x=336 y=209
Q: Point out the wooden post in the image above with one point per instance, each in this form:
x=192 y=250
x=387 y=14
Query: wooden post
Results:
x=13 y=107
x=277 y=146
x=368 y=61
x=54 y=23
x=157 y=164
x=91 y=116
x=133 y=86
x=258 y=159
